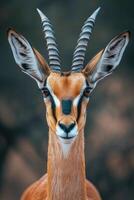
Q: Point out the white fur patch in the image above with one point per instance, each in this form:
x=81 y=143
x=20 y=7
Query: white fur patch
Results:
x=56 y=100
x=76 y=100
x=66 y=143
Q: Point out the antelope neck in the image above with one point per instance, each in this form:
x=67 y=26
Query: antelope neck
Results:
x=66 y=175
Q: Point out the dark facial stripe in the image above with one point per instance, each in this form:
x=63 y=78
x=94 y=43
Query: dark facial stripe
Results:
x=80 y=102
x=51 y=99
x=53 y=106
x=66 y=106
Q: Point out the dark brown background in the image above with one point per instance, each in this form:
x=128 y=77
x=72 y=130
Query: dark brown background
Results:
x=109 y=130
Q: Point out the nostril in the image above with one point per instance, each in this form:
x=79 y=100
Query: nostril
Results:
x=67 y=128
x=71 y=126
x=62 y=126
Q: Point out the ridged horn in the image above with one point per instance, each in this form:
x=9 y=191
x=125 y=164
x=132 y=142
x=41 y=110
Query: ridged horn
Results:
x=80 y=50
x=53 y=53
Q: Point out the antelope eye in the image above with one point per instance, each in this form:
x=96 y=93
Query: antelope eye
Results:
x=46 y=92
x=87 y=91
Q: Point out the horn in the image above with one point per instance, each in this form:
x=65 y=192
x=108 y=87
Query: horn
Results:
x=53 y=53
x=80 y=50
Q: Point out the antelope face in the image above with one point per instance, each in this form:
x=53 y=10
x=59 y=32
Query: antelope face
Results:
x=66 y=97
x=66 y=94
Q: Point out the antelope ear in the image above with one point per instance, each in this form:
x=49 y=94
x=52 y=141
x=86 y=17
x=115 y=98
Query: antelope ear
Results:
x=28 y=59
x=108 y=59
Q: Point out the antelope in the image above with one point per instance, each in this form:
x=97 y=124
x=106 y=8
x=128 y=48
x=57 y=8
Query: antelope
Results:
x=66 y=95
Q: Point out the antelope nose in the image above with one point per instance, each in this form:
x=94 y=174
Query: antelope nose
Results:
x=66 y=128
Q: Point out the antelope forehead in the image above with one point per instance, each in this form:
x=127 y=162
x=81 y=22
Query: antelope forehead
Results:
x=64 y=99
x=66 y=86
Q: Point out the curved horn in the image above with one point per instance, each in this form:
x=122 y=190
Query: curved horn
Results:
x=80 y=50
x=53 y=53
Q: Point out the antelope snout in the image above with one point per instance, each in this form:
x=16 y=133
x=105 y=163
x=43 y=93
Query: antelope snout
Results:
x=66 y=128
x=66 y=131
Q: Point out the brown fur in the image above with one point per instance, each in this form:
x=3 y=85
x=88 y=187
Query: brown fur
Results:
x=90 y=67
x=42 y=61
x=65 y=179
x=38 y=190
x=66 y=86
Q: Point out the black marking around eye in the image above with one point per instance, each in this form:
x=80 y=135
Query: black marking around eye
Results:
x=45 y=82
x=53 y=106
x=66 y=106
x=81 y=99
x=89 y=85
x=46 y=92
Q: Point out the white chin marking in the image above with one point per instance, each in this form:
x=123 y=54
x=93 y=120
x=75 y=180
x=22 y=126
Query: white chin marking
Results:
x=66 y=145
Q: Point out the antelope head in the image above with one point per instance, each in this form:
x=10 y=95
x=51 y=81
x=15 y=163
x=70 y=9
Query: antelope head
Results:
x=66 y=94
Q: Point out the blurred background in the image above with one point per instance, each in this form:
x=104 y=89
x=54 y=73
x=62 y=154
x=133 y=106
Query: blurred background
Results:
x=109 y=144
